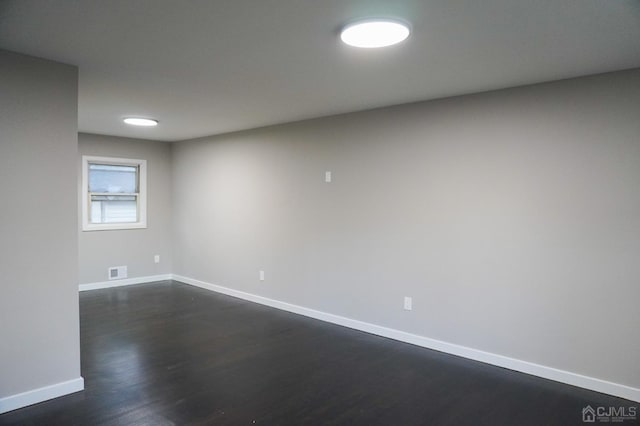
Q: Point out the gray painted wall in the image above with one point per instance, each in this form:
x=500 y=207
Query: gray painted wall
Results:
x=39 y=330
x=135 y=248
x=511 y=217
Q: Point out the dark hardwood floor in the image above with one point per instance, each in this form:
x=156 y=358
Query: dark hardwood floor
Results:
x=168 y=353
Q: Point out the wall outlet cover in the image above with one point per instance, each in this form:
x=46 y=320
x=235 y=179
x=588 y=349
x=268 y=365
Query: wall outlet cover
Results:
x=408 y=303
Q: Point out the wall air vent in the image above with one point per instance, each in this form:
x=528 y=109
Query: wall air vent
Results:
x=117 y=272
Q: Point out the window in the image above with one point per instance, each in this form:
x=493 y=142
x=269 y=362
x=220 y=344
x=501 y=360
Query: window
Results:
x=113 y=193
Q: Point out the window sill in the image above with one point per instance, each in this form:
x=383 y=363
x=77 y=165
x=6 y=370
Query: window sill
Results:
x=112 y=226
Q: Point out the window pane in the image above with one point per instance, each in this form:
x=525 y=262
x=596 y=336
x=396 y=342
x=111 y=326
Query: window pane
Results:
x=109 y=178
x=114 y=209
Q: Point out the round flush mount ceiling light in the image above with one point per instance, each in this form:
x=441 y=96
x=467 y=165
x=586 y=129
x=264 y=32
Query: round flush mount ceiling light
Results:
x=371 y=33
x=136 y=121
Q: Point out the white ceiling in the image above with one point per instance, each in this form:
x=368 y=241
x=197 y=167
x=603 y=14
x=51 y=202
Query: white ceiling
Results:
x=205 y=67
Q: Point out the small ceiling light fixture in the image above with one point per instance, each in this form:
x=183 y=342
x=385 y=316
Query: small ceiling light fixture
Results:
x=371 y=33
x=136 y=121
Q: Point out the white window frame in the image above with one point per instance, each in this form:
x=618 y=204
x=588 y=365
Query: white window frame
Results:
x=141 y=198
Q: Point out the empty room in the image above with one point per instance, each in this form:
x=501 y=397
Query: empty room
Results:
x=341 y=212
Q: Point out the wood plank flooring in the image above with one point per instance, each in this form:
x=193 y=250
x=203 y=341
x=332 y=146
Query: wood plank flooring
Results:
x=171 y=354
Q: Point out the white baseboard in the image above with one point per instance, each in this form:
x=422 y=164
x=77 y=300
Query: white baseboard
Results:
x=126 y=281
x=34 y=396
x=550 y=373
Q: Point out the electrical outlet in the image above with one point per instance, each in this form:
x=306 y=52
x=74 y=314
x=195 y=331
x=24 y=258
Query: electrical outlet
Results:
x=408 y=303
x=327 y=176
x=156 y=258
x=261 y=275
